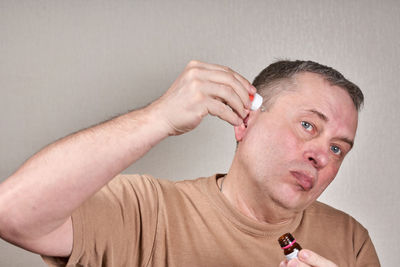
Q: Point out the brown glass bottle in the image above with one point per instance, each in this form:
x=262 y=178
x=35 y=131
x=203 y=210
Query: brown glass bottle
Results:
x=289 y=245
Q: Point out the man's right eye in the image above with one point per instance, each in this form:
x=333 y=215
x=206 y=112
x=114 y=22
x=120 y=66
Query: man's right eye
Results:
x=306 y=125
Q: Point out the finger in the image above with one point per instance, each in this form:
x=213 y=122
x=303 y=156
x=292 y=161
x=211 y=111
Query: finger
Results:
x=228 y=96
x=311 y=258
x=246 y=84
x=250 y=88
x=297 y=263
x=283 y=264
x=217 y=74
x=230 y=80
x=217 y=77
x=293 y=263
x=217 y=108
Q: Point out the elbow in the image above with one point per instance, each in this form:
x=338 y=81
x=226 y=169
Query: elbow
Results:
x=6 y=226
x=16 y=226
x=9 y=229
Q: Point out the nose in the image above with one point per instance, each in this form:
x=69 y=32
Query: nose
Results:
x=316 y=155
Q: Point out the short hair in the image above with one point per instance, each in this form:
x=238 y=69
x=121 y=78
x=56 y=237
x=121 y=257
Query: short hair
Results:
x=272 y=80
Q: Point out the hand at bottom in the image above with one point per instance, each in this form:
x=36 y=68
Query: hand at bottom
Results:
x=308 y=258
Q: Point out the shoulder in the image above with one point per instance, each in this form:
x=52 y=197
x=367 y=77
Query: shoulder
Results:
x=124 y=190
x=327 y=212
x=182 y=189
x=321 y=220
x=163 y=184
x=326 y=216
x=145 y=184
x=137 y=183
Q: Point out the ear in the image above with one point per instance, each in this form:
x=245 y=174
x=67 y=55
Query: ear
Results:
x=240 y=131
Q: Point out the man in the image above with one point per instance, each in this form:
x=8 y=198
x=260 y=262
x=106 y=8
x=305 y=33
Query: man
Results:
x=288 y=152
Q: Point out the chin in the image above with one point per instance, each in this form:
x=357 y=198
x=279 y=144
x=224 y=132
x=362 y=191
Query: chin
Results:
x=293 y=198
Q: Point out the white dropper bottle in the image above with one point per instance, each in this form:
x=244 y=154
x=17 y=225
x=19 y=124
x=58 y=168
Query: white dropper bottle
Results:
x=256 y=101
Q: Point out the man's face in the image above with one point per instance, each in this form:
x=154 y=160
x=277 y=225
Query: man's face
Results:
x=294 y=150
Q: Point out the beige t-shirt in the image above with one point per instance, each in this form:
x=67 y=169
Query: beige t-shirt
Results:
x=142 y=221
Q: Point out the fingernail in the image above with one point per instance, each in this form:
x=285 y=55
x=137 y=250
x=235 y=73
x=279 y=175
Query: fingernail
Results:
x=253 y=89
x=247 y=105
x=293 y=263
x=282 y=264
x=304 y=254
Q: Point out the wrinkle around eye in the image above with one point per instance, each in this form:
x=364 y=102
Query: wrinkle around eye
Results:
x=308 y=126
x=340 y=152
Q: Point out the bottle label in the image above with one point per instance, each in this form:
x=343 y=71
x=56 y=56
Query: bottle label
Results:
x=292 y=255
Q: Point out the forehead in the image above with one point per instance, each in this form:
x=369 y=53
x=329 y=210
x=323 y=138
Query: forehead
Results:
x=312 y=92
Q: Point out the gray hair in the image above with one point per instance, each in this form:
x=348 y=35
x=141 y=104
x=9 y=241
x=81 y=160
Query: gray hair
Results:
x=275 y=78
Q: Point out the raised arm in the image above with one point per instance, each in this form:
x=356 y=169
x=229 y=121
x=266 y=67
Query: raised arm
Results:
x=36 y=202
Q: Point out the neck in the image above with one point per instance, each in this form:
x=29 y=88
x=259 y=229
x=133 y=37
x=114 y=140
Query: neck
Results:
x=248 y=196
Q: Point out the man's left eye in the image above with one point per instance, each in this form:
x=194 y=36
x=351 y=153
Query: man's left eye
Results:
x=336 y=150
x=307 y=126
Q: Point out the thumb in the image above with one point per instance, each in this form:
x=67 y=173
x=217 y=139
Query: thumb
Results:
x=313 y=259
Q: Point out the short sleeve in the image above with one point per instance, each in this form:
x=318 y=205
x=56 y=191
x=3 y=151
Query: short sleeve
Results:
x=115 y=227
x=367 y=256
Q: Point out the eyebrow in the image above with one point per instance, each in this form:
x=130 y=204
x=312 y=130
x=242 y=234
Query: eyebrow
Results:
x=325 y=118
x=319 y=114
x=347 y=140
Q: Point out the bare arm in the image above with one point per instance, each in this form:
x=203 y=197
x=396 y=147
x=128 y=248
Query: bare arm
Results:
x=44 y=192
x=36 y=202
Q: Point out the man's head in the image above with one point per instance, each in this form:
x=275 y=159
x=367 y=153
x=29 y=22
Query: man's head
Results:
x=293 y=150
x=278 y=77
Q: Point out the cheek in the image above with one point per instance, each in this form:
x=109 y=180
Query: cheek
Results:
x=288 y=143
x=282 y=148
x=275 y=145
x=326 y=176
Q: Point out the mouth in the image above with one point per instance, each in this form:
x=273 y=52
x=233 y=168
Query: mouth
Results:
x=305 y=180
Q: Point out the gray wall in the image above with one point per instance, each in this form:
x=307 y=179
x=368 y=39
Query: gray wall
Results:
x=65 y=65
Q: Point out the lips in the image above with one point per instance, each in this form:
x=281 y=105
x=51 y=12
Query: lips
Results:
x=305 y=180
